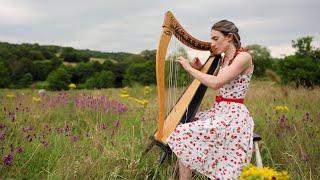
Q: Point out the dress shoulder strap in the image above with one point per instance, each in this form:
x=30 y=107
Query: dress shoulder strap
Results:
x=242 y=49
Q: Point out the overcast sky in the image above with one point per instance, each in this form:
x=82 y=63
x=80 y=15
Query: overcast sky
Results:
x=133 y=26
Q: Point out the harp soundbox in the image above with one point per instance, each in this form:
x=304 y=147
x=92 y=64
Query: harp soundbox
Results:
x=187 y=105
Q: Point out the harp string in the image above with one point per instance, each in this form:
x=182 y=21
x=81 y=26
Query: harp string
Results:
x=177 y=78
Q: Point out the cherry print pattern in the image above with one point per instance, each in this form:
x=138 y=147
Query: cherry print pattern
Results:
x=218 y=143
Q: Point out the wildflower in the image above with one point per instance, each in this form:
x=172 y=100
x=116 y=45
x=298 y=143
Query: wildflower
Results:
x=72 y=86
x=117 y=123
x=67 y=128
x=11 y=95
x=147 y=90
x=8 y=160
x=305 y=156
x=281 y=108
x=36 y=99
x=253 y=172
x=124 y=95
x=75 y=138
x=27 y=129
x=282 y=122
x=19 y=150
x=2 y=136
x=103 y=126
x=2 y=126
x=141 y=101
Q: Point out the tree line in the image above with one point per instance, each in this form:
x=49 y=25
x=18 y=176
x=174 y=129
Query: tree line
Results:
x=55 y=67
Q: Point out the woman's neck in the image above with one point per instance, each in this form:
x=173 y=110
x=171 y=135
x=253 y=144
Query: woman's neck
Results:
x=229 y=54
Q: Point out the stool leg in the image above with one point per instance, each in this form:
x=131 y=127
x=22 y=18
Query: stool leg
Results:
x=258 y=155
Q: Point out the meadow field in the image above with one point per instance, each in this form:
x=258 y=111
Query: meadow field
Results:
x=101 y=134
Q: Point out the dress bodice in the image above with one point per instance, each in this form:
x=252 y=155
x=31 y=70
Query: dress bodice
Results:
x=236 y=88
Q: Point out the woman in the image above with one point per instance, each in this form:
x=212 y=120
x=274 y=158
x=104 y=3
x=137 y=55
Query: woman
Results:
x=218 y=143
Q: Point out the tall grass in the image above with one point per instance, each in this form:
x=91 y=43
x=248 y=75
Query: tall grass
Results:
x=100 y=134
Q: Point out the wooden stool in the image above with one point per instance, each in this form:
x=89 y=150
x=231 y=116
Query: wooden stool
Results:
x=256 y=139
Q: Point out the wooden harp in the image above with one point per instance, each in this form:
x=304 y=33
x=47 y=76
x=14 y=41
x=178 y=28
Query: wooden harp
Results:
x=188 y=103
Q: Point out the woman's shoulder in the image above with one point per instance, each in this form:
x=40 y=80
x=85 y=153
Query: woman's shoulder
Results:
x=243 y=51
x=242 y=55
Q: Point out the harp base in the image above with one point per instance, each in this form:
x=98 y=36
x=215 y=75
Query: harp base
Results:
x=166 y=151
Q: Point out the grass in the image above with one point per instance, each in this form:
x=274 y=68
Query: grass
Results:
x=86 y=134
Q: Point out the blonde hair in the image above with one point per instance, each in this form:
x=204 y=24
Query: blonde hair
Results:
x=226 y=27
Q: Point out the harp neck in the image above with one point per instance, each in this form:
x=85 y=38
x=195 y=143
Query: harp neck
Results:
x=171 y=27
x=170 y=23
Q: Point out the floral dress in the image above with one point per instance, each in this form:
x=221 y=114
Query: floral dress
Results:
x=218 y=143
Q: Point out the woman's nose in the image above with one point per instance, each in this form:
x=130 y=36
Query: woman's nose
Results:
x=213 y=45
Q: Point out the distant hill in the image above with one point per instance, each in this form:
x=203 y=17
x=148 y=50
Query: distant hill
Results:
x=54 y=67
x=69 y=54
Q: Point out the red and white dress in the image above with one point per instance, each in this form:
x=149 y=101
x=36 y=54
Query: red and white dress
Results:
x=218 y=143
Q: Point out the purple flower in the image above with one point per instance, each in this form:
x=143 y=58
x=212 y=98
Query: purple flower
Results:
x=305 y=156
x=26 y=129
x=2 y=126
x=103 y=126
x=2 y=136
x=59 y=130
x=19 y=150
x=75 y=138
x=282 y=122
x=67 y=128
x=117 y=123
x=8 y=160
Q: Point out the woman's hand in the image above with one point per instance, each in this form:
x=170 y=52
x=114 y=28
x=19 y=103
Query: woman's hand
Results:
x=184 y=63
x=196 y=63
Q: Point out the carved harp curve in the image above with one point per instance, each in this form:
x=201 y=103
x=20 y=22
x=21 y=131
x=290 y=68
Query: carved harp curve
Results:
x=172 y=27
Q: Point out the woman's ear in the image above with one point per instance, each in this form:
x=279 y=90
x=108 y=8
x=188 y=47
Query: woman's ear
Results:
x=230 y=37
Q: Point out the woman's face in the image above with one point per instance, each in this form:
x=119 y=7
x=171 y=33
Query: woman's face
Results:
x=219 y=42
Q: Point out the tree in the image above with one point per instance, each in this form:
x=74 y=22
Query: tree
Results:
x=303 y=46
x=36 y=55
x=149 y=54
x=300 y=70
x=41 y=69
x=141 y=73
x=83 y=71
x=104 y=79
x=20 y=67
x=261 y=58
x=26 y=80
x=108 y=65
x=59 y=79
x=5 y=76
x=68 y=54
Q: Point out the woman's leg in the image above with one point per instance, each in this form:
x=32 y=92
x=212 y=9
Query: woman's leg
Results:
x=184 y=172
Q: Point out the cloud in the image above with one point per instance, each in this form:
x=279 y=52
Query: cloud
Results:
x=14 y=14
x=133 y=26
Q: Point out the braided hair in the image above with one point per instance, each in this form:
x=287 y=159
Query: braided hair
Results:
x=226 y=27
